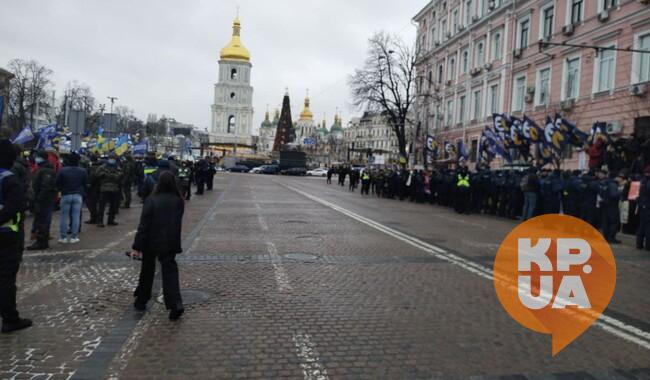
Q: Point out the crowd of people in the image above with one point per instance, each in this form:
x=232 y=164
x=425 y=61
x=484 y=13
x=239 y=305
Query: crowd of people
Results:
x=104 y=184
x=43 y=181
x=593 y=196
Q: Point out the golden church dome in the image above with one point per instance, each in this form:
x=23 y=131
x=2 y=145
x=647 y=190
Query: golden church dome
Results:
x=306 y=113
x=235 y=51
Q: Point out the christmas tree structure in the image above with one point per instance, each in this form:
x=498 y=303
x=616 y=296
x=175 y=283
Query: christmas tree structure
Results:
x=285 y=126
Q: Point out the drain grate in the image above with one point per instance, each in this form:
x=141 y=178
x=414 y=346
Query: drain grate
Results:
x=189 y=297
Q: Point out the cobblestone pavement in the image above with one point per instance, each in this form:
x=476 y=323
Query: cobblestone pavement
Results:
x=291 y=278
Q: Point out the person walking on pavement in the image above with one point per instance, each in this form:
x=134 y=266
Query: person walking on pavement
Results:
x=110 y=177
x=330 y=171
x=130 y=174
x=12 y=236
x=643 y=231
x=44 y=195
x=159 y=236
x=71 y=182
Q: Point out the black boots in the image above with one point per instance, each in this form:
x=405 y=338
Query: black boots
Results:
x=175 y=314
x=19 y=324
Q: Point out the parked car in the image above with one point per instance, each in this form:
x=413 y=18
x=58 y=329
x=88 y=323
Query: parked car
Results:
x=270 y=169
x=294 y=171
x=239 y=169
x=256 y=170
x=320 y=172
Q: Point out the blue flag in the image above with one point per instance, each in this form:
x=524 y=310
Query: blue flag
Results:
x=46 y=135
x=599 y=132
x=24 y=136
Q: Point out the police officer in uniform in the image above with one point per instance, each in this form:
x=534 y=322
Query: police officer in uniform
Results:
x=12 y=207
x=462 y=190
x=643 y=233
x=130 y=174
x=44 y=195
x=110 y=177
x=185 y=179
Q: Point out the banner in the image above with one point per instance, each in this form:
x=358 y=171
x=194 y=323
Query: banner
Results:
x=23 y=136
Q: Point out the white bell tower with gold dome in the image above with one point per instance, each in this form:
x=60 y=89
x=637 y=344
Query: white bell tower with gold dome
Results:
x=232 y=108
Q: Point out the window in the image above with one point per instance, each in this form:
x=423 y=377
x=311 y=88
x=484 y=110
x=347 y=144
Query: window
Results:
x=430 y=79
x=543 y=86
x=232 y=95
x=524 y=29
x=468 y=12
x=473 y=151
x=440 y=70
x=233 y=74
x=231 y=124
x=477 y=105
x=450 y=112
x=546 y=22
x=433 y=37
x=575 y=11
x=451 y=69
x=518 y=94
x=480 y=55
x=641 y=61
x=455 y=22
x=461 y=109
x=571 y=78
x=607 y=4
x=494 y=98
x=465 y=60
x=496 y=46
x=443 y=29
x=604 y=76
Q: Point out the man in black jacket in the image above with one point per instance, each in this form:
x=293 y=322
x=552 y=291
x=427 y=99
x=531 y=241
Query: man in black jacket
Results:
x=12 y=208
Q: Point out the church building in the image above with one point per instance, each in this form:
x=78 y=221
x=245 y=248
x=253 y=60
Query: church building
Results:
x=232 y=108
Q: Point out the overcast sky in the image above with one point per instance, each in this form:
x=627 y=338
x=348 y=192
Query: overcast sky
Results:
x=161 y=56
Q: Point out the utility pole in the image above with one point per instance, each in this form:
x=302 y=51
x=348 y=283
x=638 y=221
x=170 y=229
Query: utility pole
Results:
x=112 y=99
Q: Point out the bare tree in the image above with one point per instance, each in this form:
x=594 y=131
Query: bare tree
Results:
x=26 y=90
x=386 y=82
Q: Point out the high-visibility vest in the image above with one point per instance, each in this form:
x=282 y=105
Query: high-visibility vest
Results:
x=463 y=181
x=149 y=170
x=12 y=225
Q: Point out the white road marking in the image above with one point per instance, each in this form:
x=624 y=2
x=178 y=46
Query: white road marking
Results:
x=311 y=365
x=265 y=227
x=608 y=324
x=35 y=287
x=280 y=275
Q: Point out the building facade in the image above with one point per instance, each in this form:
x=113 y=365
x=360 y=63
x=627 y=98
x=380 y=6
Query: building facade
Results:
x=232 y=108
x=373 y=131
x=480 y=57
x=266 y=133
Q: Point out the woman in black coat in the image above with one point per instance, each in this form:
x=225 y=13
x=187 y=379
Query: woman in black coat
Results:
x=159 y=235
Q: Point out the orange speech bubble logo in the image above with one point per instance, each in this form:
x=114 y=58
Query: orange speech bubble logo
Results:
x=555 y=274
